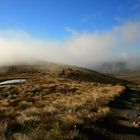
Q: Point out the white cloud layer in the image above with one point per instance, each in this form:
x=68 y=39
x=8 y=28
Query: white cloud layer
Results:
x=120 y=43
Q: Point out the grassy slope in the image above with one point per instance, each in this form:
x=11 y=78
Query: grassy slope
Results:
x=133 y=76
x=56 y=102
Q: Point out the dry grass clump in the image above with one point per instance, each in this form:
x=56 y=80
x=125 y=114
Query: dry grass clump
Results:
x=50 y=106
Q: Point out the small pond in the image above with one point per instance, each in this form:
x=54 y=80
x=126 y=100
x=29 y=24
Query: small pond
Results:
x=13 y=81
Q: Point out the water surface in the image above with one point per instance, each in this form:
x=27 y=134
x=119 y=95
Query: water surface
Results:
x=13 y=81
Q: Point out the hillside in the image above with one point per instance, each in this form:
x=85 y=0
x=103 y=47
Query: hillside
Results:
x=133 y=75
x=55 y=102
x=121 y=70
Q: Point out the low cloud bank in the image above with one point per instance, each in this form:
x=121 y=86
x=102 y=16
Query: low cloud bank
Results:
x=119 y=44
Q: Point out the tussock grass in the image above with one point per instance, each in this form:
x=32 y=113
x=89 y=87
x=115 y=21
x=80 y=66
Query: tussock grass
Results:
x=49 y=106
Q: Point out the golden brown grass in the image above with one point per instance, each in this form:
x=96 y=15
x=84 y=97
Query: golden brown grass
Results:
x=49 y=106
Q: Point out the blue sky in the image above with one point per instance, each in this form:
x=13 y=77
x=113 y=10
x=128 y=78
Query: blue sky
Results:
x=57 y=19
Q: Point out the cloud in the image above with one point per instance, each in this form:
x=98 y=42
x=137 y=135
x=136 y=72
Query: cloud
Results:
x=120 y=43
x=128 y=34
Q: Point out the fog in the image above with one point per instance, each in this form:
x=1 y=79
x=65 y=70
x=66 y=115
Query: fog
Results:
x=118 y=44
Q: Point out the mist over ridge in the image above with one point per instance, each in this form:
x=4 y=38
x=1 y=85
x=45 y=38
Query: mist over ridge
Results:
x=119 y=44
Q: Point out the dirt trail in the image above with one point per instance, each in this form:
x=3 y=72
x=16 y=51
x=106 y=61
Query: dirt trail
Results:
x=125 y=117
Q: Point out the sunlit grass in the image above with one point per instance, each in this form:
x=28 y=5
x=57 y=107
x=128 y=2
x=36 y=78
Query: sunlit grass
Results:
x=49 y=107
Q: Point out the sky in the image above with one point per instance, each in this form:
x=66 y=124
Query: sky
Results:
x=78 y=32
x=55 y=18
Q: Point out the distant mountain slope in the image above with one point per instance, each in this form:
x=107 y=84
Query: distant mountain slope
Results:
x=133 y=76
x=121 y=70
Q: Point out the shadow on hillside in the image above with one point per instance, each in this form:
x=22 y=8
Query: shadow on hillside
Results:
x=126 y=102
x=92 y=134
x=116 y=128
x=120 y=104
